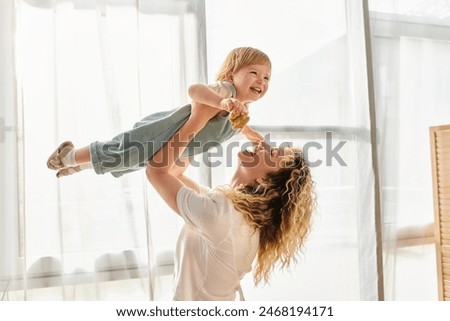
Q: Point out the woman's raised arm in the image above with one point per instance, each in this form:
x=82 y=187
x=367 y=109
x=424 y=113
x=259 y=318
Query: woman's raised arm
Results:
x=162 y=170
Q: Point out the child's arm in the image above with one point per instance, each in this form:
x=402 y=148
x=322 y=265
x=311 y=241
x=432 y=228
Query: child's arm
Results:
x=252 y=135
x=202 y=94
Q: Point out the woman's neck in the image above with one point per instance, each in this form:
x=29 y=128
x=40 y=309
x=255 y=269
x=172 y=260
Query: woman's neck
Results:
x=236 y=180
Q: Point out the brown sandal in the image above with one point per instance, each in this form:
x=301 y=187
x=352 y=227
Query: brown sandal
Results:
x=66 y=171
x=55 y=160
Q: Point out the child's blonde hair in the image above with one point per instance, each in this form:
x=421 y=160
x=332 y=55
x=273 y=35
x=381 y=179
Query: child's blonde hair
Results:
x=239 y=58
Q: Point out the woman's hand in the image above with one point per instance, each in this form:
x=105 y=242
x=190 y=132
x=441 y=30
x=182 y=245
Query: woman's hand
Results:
x=202 y=113
x=165 y=169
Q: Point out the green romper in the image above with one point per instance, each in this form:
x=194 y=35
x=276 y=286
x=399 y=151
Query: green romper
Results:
x=130 y=150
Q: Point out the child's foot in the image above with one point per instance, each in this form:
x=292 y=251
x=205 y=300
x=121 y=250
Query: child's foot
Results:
x=68 y=171
x=55 y=160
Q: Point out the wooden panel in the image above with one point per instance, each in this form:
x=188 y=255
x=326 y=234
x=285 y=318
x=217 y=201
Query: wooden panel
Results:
x=444 y=191
x=444 y=208
x=444 y=184
x=444 y=173
x=443 y=134
x=440 y=161
x=447 y=284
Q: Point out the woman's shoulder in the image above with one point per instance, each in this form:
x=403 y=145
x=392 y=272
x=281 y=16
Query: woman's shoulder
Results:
x=215 y=195
x=218 y=194
x=208 y=210
x=219 y=197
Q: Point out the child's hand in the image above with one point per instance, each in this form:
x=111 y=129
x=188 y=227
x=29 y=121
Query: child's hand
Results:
x=238 y=121
x=233 y=105
x=252 y=135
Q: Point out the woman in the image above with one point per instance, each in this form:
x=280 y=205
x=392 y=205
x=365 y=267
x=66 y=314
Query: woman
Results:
x=264 y=213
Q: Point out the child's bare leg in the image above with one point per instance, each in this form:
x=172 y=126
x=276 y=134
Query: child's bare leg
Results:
x=83 y=155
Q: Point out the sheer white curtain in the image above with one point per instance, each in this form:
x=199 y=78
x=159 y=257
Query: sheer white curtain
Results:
x=11 y=240
x=411 y=50
x=87 y=70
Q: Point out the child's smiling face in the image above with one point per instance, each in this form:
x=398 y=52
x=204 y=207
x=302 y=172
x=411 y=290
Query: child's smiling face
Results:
x=251 y=82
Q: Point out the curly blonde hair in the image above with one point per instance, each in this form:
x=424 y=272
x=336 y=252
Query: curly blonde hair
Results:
x=281 y=212
x=239 y=58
